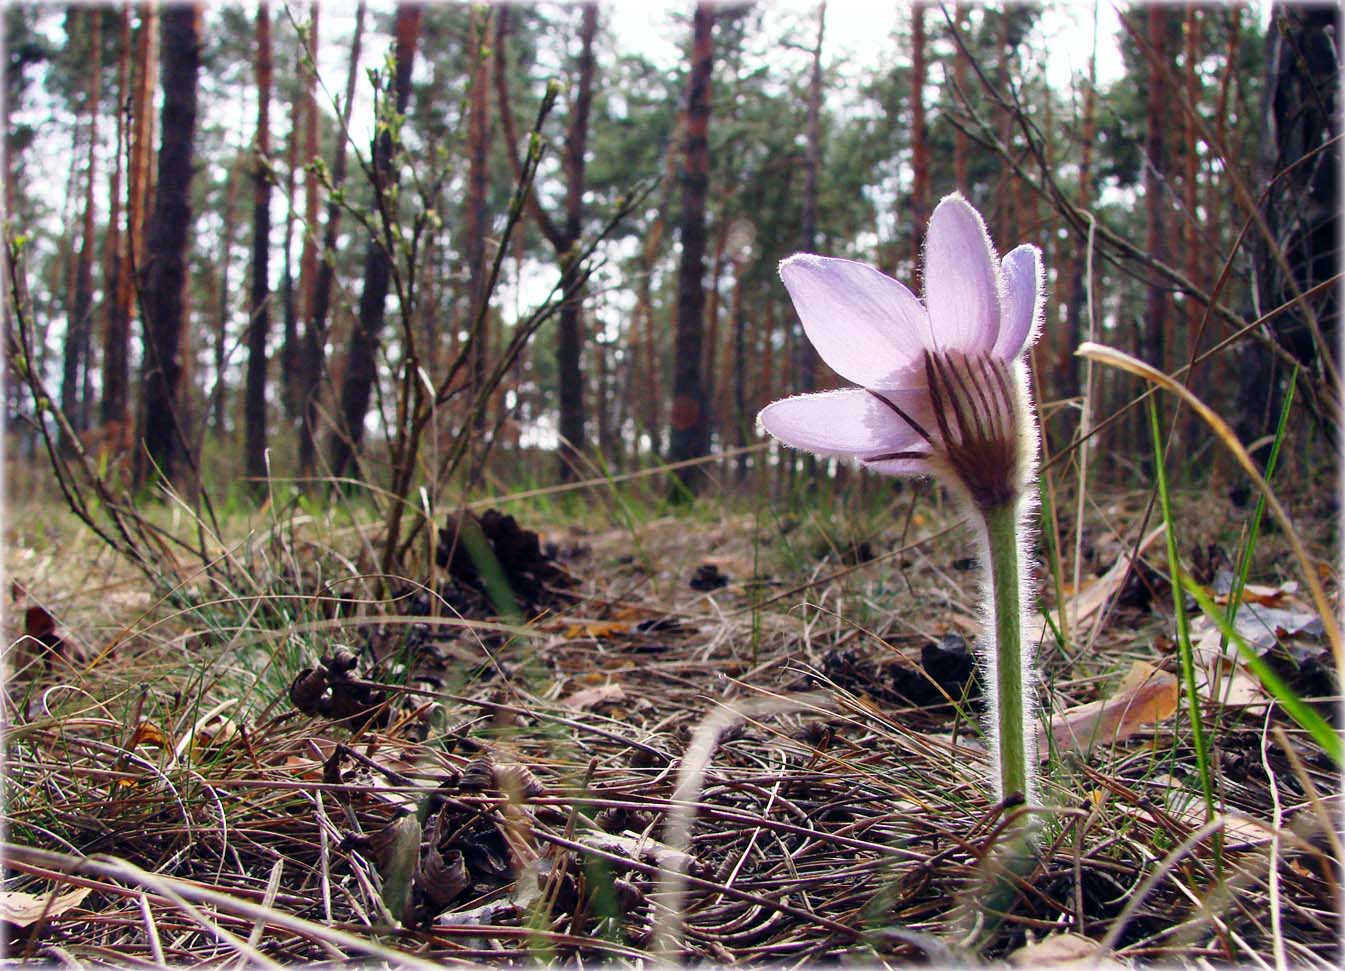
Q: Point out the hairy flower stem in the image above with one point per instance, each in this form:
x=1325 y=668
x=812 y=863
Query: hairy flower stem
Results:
x=1014 y=755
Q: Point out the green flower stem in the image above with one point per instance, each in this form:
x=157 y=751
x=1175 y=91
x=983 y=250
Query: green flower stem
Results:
x=1016 y=768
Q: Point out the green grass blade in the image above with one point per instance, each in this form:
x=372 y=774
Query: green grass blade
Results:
x=1244 y=563
x=1299 y=710
x=1183 y=628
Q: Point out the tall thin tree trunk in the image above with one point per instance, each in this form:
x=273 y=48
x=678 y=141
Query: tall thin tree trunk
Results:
x=563 y=237
x=225 y=300
x=1002 y=222
x=138 y=89
x=362 y=350
x=960 y=83
x=77 y=341
x=1156 y=324
x=308 y=251
x=690 y=433
x=1191 y=168
x=474 y=206
x=644 y=344
x=289 y=327
x=116 y=326
x=142 y=175
x=315 y=336
x=919 y=134
x=709 y=358
x=1075 y=293
x=259 y=304
x=570 y=338
x=807 y=362
x=165 y=423
x=1302 y=210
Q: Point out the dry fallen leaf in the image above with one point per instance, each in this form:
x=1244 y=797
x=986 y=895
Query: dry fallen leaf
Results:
x=1088 y=601
x=1063 y=951
x=24 y=909
x=1265 y=596
x=149 y=735
x=586 y=698
x=595 y=629
x=1146 y=696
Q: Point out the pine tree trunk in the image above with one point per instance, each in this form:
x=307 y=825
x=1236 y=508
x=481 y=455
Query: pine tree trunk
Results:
x=259 y=303
x=644 y=349
x=1302 y=210
x=1158 y=117
x=1075 y=290
x=690 y=432
x=960 y=83
x=807 y=363
x=570 y=338
x=289 y=328
x=220 y=395
x=474 y=208
x=165 y=423
x=117 y=319
x=919 y=135
x=80 y=320
x=362 y=350
x=130 y=244
x=308 y=251
x=315 y=336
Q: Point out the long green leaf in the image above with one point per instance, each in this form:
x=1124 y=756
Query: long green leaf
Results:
x=1299 y=710
x=1183 y=628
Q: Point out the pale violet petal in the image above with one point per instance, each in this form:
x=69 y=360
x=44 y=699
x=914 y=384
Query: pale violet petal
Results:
x=961 y=278
x=850 y=422
x=902 y=467
x=865 y=325
x=1023 y=297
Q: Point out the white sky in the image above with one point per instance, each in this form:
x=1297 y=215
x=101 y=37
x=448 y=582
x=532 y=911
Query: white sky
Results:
x=859 y=32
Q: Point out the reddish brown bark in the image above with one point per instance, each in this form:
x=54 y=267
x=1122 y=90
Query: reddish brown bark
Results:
x=141 y=174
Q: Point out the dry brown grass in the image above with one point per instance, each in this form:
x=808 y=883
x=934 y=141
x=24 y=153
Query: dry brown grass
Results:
x=161 y=766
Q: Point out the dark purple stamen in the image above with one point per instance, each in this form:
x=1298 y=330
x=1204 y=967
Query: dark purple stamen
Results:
x=915 y=425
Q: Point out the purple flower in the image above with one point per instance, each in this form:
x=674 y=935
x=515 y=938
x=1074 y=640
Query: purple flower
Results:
x=942 y=387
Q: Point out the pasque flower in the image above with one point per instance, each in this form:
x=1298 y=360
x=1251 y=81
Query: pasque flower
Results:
x=942 y=390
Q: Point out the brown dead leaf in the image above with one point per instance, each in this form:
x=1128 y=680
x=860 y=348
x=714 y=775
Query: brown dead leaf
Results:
x=25 y=909
x=1145 y=696
x=1265 y=596
x=1240 y=832
x=1063 y=951
x=595 y=629
x=149 y=735
x=587 y=698
x=1088 y=601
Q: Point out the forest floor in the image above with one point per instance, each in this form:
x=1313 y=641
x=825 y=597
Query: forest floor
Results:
x=738 y=737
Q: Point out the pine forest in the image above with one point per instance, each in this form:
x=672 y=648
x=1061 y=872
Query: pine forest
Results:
x=762 y=484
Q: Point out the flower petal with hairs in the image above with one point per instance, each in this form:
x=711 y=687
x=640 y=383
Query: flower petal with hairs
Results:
x=941 y=385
